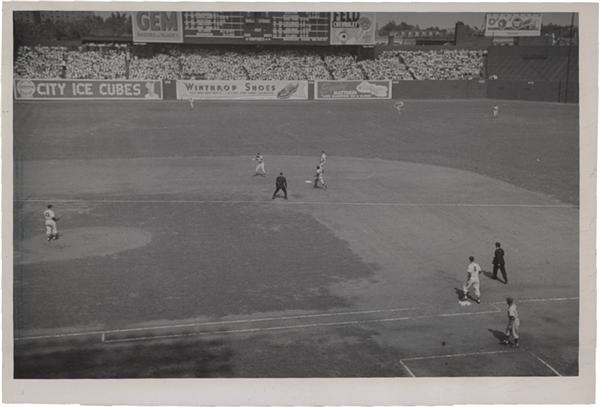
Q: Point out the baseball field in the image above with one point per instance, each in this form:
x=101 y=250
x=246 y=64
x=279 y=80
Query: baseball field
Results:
x=174 y=261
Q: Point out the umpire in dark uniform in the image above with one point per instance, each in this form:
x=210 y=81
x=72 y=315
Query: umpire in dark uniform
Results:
x=498 y=263
x=280 y=184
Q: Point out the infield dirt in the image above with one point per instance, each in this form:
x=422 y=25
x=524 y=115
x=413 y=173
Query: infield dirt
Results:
x=392 y=232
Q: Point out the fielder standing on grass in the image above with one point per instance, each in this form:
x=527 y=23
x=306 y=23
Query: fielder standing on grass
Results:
x=280 y=184
x=495 y=111
x=473 y=271
x=498 y=263
x=50 y=220
x=512 y=329
x=260 y=167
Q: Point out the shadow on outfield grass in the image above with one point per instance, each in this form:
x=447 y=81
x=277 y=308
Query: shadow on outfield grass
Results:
x=148 y=359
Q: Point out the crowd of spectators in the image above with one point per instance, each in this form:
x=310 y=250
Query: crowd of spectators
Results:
x=343 y=65
x=209 y=64
x=444 y=64
x=39 y=62
x=160 y=66
x=89 y=62
x=100 y=64
x=117 y=62
x=284 y=65
x=386 y=66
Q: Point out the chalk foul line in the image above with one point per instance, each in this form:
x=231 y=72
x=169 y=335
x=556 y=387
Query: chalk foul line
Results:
x=291 y=202
x=104 y=333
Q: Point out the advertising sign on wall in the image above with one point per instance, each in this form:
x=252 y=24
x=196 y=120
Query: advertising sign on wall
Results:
x=157 y=26
x=353 y=90
x=352 y=28
x=249 y=90
x=513 y=24
x=52 y=89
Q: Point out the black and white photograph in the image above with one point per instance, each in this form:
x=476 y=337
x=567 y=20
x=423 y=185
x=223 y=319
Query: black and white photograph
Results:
x=325 y=193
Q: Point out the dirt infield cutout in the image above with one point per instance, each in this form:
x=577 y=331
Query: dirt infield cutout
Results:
x=79 y=243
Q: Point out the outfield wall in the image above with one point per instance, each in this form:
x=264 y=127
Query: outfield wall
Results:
x=474 y=89
x=48 y=89
x=542 y=91
x=534 y=90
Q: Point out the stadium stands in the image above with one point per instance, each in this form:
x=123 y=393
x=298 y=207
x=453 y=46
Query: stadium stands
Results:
x=111 y=62
x=444 y=64
x=343 y=65
x=388 y=65
x=284 y=65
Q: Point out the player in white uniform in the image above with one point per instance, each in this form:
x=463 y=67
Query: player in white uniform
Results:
x=495 y=111
x=512 y=329
x=319 y=178
x=50 y=223
x=473 y=271
x=399 y=106
x=323 y=160
x=260 y=167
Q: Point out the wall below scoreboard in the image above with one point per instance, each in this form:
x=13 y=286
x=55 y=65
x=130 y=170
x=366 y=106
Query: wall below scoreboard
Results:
x=242 y=90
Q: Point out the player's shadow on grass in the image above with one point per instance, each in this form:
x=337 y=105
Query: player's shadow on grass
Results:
x=460 y=294
x=462 y=297
x=488 y=274
x=501 y=336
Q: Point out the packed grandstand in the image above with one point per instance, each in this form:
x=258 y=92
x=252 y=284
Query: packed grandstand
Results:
x=115 y=61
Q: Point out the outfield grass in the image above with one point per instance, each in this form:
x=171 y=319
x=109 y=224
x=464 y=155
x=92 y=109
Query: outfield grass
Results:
x=532 y=145
x=348 y=281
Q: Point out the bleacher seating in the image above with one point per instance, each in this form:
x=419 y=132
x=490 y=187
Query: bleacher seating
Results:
x=236 y=63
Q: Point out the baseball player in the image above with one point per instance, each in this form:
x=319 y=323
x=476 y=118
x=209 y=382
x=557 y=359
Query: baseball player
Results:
x=323 y=160
x=473 y=271
x=280 y=184
x=50 y=224
x=498 y=263
x=260 y=167
x=319 y=178
x=495 y=111
x=399 y=106
x=512 y=329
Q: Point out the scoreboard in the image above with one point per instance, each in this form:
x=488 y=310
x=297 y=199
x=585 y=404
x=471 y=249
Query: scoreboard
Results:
x=294 y=28
x=256 y=27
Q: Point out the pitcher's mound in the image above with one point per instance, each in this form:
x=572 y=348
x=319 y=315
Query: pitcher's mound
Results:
x=81 y=242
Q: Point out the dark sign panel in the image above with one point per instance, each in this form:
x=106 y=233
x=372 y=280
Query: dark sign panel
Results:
x=251 y=27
